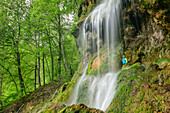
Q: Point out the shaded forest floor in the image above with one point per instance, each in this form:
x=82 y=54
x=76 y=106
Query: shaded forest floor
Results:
x=34 y=101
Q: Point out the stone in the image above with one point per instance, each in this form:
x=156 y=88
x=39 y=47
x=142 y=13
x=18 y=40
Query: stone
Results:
x=130 y=31
x=80 y=108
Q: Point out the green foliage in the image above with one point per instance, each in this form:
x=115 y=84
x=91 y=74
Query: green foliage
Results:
x=31 y=29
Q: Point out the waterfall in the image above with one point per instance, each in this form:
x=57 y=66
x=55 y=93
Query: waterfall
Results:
x=99 y=30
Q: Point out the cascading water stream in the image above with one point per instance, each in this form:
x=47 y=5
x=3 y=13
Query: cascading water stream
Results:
x=99 y=30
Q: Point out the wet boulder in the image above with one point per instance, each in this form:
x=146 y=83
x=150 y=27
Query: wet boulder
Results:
x=80 y=108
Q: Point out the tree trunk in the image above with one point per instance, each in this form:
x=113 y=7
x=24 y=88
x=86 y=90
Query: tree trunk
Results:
x=35 y=83
x=35 y=62
x=65 y=65
x=19 y=64
x=60 y=36
x=48 y=68
x=43 y=68
x=38 y=54
x=2 y=73
x=43 y=63
x=19 y=70
x=52 y=59
x=39 y=81
x=52 y=63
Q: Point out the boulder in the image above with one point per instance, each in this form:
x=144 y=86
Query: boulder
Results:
x=80 y=108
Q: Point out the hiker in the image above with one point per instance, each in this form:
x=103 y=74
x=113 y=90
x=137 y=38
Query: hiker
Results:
x=124 y=60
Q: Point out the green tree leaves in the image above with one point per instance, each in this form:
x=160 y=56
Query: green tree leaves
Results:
x=37 y=43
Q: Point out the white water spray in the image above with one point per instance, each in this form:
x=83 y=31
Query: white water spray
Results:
x=100 y=30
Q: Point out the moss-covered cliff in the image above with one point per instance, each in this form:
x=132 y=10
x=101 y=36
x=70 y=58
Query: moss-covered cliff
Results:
x=145 y=40
x=142 y=90
x=143 y=84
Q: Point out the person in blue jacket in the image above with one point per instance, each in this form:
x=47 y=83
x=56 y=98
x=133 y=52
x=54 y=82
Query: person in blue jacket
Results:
x=124 y=60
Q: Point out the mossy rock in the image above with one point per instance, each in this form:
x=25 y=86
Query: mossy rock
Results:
x=80 y=108
x=141 y=90
x=163 y=63
x=102 y=64
x=64 y=92
x=55 y=107
x=86 y=7
x=78 y=73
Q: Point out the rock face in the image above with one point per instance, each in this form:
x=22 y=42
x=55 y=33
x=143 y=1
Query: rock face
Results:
x=145 y=40
x=144 y=30
x=144 y=86
x=84 y=9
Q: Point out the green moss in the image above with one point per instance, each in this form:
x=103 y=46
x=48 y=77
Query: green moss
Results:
x=80 y=108
x=86 y=10
x=136 y=91
x=127 y=79
x=78 y=72
x=64 y=92
x=162 y=60
x=89 y=71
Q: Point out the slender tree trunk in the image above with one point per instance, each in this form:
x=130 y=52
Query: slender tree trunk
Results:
x=52 y=60
x=38 y=54
x=43 y=62
x=52 y=63
x=35 y=83
x=35 y=35
x=65 y=64
x=19 y=70
x=19 y=65
x=60 y=37
x=39 y=81
x=48 y=68
x=43 y=68
x=2 y=73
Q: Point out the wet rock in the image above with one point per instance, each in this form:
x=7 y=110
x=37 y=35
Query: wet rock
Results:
x=98 y=1
x=130 y=31
x=80 y=108
x=100 y=43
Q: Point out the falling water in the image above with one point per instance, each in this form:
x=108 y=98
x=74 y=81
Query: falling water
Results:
x=99 y=30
